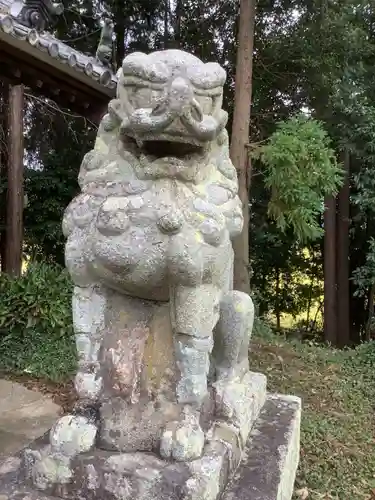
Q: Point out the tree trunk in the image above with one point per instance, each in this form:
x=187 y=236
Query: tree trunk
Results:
x=343 y=306
x=166 y=23
x=15 y=199
x=330 y=306
x=240 y=137
x=277 y=302
x=177 y=25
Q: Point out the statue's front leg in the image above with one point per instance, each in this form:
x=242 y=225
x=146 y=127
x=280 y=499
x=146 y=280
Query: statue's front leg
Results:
x=194 y=313
x=88 y=320
x=76 y=433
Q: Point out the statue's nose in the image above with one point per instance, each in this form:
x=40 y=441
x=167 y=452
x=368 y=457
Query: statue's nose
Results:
x=180 y=94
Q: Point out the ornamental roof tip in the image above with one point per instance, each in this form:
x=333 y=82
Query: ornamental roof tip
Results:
x=26 y=21
x=37 y=14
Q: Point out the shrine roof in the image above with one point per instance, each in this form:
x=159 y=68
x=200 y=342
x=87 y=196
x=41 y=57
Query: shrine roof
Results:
x=23 y=27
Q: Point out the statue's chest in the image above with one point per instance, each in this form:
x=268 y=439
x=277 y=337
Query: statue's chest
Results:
x=168 y=206
x=164 y=196
x=162 y=205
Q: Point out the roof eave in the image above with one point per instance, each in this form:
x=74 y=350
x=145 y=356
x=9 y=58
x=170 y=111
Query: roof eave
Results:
x=54 y=53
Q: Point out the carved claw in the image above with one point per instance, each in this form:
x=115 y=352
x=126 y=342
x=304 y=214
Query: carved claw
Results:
x=183 y=441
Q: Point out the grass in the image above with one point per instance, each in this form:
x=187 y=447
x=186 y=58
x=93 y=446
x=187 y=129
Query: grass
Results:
x=337 y=434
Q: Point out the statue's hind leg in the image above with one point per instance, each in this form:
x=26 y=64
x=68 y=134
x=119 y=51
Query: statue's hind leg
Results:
x=232 y=336
x=230 y=363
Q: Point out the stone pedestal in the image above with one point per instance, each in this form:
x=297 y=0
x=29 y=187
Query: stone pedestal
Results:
x=262 y=468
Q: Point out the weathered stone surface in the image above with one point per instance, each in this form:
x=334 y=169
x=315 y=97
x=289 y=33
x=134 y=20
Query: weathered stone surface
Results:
x=271 y=456
x=62 y=474
x=238 y=403
x=183 y=439
x=24 y=416
x=267 y=472
x=26 y=494
x=139 y=373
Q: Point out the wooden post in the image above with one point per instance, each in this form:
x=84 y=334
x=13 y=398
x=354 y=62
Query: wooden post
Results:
x=14 y=209
x=343 y=306
x=330 y=306
x=4 y=86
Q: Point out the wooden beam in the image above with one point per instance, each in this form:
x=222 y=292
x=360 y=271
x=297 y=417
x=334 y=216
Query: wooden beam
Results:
x=69 y=94
x=14 y=210
x=330 y=305
x=343 y=306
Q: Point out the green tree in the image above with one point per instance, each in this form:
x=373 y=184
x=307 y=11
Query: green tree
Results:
x=300 y=169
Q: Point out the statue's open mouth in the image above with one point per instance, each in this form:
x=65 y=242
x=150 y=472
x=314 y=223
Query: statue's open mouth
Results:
x=164 y=149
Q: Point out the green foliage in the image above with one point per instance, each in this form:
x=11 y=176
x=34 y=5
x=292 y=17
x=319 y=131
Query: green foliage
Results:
x=362 y=356
x=52 y=185
x=262 y=329
x=363 y=229
x=364 y=276
x=300 y=168
x=36 y=334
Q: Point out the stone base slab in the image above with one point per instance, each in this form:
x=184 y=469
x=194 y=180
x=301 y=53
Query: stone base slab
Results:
x=267 y=471
x=269 y=465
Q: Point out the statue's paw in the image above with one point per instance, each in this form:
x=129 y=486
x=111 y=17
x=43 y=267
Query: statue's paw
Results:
x=183 y=441
x=73 y=434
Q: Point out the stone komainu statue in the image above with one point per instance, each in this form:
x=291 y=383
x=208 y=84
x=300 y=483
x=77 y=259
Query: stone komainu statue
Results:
x=162 y=337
